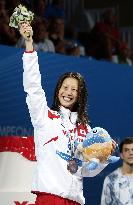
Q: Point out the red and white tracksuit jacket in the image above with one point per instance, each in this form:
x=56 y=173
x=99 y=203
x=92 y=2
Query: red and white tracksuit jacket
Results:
x=51 y=174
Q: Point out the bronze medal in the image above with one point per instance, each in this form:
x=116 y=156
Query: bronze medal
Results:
x=72 y=166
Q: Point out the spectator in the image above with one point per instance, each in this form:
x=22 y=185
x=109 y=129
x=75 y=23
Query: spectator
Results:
x=56 y=34
x=118 y=186
x=104 y=38
x=3 y=11
x=72 y=35
x=124 y=56
x=39 y=7
x=55 y=9
x=8 y=35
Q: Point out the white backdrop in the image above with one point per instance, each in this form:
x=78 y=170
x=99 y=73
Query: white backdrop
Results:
x=15 y=179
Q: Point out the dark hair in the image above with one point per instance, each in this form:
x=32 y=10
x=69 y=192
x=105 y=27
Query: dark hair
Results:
x=127 y=140
x=80 y=105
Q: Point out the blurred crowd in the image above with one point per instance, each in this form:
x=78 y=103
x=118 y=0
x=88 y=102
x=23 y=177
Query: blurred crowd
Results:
x=49 y=27
x=105 y=40
x=53 y=33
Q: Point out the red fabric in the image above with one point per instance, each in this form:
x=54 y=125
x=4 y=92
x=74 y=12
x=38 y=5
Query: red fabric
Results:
x=105 y=28
x=23 y=145
x=51 y=199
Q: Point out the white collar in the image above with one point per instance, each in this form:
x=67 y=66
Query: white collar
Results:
x=68 y=114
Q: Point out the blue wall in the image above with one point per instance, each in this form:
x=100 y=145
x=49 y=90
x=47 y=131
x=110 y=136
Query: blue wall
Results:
x=110 y=101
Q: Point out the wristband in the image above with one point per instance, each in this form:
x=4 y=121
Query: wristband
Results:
x=30 y=51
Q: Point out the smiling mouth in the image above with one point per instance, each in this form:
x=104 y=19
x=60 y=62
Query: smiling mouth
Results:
x=67 y=99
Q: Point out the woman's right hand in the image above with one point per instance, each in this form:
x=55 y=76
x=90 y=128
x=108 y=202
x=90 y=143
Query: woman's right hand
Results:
x=27 y=33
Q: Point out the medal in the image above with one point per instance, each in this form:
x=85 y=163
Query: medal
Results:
x=72 y=166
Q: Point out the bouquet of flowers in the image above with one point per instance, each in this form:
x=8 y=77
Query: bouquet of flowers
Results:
x=20 y=15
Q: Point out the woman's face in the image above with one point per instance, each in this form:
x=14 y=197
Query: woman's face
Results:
x=68 y=92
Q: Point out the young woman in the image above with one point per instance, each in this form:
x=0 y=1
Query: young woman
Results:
x=58 y=177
